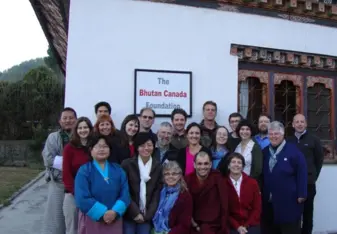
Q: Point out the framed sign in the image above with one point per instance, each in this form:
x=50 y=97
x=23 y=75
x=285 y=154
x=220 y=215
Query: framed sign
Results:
x=163 y=91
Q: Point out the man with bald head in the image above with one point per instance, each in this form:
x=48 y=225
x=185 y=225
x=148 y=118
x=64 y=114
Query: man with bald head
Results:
x=311 y=147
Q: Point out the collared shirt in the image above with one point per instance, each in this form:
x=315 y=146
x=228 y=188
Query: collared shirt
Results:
x=179 y=141
x=262 y=141
x=247 y=154
x=237 y=184
x=206 y=134
x=299 y=134
x=162 y=152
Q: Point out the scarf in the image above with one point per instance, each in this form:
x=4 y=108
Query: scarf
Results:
x=144 y=171
x=217 y=155
x=65 y=137
x=168 y=197
x=273 y=155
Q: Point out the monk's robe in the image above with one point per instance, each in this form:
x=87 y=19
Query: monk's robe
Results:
x=97 y=191
x=210 y=203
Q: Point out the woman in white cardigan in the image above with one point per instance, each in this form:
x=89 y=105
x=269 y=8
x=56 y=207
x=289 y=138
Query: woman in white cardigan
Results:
x=250 y=150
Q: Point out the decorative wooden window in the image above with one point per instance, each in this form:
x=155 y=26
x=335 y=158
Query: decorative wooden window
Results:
x=270 y=88
x=320 y=111
x=253 y=94
x=287 y=99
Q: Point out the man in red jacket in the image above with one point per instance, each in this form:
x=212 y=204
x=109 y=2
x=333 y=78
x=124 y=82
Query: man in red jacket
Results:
x=210 y=198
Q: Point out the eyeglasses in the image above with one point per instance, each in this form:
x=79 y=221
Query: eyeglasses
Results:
x=101 y=147
x=167 y=174
x=147 y=117
x=276 y=134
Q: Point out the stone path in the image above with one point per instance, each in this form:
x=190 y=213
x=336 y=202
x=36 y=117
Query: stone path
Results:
x=25 y=214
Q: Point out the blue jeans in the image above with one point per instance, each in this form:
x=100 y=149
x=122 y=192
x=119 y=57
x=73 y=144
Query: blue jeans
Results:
x=131 y=227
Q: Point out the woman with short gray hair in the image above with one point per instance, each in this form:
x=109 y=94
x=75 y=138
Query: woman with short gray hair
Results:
x=276 y=126
x=174 y=212
x=285 y=184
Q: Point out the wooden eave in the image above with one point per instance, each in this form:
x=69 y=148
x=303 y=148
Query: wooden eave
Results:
x=321 y=12
x=297 y=59
x=53 y=16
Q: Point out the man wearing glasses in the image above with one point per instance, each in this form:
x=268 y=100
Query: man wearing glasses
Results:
x=146 y=120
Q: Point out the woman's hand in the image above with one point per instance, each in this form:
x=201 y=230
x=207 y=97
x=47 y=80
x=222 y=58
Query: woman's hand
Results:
x=139 y=218
x=109 y=216
x=242 y=230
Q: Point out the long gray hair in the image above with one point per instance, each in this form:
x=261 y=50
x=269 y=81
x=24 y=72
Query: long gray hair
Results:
x=174 y=166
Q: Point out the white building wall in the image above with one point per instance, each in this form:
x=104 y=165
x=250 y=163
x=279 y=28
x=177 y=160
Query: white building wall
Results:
x=109 y=39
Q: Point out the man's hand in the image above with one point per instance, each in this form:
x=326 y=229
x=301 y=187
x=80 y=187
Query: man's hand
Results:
x=301 y=200
x=195 y=225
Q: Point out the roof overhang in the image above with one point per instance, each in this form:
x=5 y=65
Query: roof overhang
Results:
x=53 y=16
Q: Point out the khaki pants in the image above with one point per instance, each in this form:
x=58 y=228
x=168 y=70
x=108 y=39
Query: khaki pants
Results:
x=70 y=213
x=53 y=218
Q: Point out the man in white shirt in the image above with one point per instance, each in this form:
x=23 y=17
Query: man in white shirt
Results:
x=52 y=156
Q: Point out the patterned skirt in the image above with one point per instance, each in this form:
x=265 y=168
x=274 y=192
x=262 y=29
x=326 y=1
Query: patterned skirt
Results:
x=88 y=226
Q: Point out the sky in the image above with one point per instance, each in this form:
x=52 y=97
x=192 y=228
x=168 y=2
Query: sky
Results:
x=21 y=36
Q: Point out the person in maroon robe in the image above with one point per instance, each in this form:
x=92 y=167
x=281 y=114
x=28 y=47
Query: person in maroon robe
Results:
x=210 y=198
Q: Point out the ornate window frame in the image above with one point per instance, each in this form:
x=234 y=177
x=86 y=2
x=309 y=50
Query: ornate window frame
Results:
x=317 y=63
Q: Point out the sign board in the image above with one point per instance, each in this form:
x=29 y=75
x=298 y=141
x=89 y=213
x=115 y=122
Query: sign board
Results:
x=163 y=91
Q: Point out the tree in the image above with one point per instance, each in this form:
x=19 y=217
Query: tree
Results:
x=45 y=96
x=52 y=63
x=31 y=98
x=35 y=100
x=17 y=72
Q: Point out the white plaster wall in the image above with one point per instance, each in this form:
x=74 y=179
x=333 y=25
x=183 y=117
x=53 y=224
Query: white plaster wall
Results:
x=109 y=39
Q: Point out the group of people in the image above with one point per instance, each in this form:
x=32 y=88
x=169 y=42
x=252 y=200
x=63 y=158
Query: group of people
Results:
x=200 y=178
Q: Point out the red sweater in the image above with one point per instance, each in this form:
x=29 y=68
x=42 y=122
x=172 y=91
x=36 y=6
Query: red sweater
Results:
x=181 y=214
x=73 y=159
x=246 y=210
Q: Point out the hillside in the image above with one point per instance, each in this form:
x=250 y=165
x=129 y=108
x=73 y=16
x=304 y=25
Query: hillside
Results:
x=17 y=72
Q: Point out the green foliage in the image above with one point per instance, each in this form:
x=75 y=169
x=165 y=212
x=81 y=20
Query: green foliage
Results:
x=40 y=134
x=31 y=99
x=51 y=62
x=30 y=104
x=17 y=72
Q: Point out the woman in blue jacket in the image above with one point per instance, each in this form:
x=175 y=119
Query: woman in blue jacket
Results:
x=284 y=184
x=101 y=192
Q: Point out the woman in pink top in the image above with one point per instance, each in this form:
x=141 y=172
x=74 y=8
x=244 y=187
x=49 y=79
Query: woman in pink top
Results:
x=185 y=156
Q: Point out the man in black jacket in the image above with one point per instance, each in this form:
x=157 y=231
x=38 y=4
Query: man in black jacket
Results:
x=312 y=149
